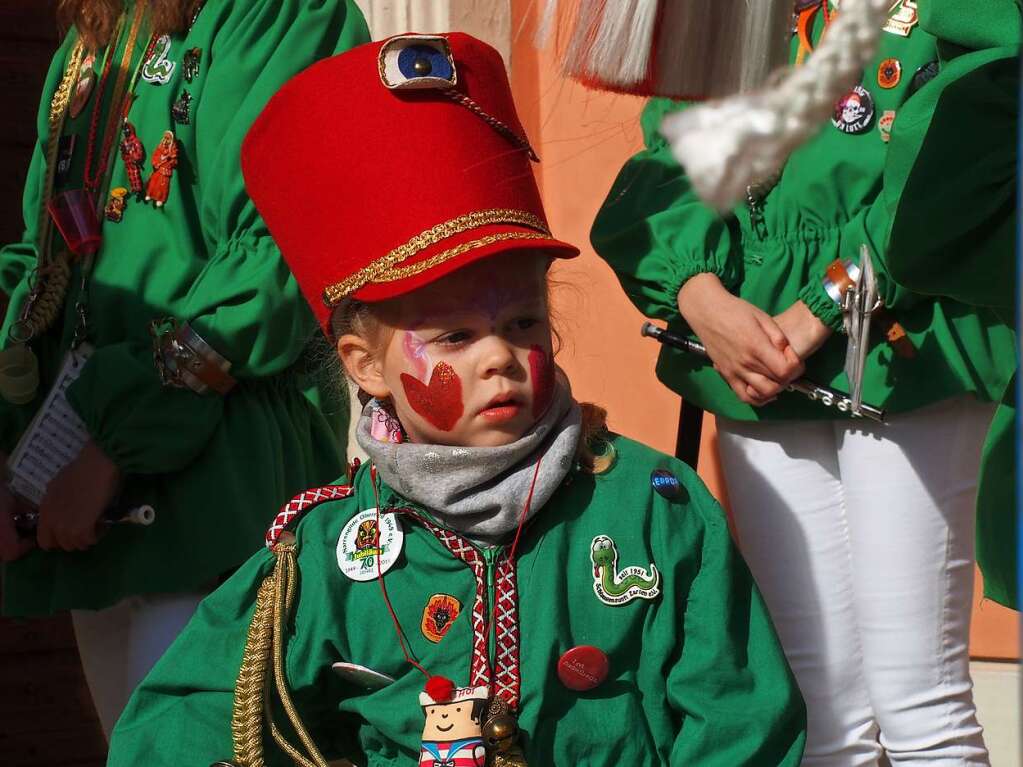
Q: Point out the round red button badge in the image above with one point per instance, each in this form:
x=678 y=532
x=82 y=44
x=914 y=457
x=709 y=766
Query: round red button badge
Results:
x=583 y=668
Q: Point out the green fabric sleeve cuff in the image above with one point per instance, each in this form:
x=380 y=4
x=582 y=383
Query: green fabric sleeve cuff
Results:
x=141 y=425
x=822 y=305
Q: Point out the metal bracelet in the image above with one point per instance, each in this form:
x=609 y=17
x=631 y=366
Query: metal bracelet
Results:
x=184 y=360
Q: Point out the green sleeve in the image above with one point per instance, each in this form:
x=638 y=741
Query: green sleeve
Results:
x=944 y=220
x=245 y=303
x=868 y=227
x=18 y=258
x=957 y=139
x=655 y=232
x=181 y=713
x=732 y=685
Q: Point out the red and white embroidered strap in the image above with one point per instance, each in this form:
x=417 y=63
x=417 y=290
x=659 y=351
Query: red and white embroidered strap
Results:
x=302 y=503
x=507 y=676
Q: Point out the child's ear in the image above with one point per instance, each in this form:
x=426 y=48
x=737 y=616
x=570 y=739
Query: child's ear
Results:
x=362 y=365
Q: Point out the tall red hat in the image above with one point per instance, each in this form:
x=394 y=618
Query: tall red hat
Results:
x=382 y=169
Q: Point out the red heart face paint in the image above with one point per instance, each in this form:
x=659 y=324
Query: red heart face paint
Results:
x=440 y=403
x=541 y=372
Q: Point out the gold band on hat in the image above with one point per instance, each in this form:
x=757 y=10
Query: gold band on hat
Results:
x=387 y=269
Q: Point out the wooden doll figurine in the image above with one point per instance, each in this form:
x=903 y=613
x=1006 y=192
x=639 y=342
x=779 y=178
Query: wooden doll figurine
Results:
x=453 y=731
x=133 y=154
x=165 y=160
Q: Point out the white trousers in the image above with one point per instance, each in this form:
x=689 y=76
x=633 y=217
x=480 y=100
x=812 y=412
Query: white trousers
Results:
x=860 y=537
x=119 y=645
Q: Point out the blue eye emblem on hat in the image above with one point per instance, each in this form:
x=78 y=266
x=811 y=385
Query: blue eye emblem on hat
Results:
x=424 y=61
x=417 y=62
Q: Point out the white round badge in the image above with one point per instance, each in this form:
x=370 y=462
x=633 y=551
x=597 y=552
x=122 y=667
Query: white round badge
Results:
x=359 y=545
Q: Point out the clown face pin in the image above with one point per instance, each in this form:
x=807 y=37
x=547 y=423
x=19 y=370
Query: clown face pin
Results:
x=854 y=112
x=361 y=543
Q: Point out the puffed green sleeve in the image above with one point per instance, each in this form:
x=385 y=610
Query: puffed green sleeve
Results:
x=737 y=699
x=655 y=232
x=182 y=712
x=948 y=192
x=868 y=227
x=957 y=144
x=244 y=303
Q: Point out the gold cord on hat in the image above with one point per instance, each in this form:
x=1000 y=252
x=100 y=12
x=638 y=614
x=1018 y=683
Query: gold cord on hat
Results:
x=386 y=269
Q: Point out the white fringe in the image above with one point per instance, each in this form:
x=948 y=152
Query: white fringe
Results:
x=715 y=48
x=545 y=28
x=727 y=145
x=621 y=50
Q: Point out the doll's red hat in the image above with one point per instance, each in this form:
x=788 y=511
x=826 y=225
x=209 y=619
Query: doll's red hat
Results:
x=384 y=168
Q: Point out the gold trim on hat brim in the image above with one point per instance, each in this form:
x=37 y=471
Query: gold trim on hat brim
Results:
x=388 y=269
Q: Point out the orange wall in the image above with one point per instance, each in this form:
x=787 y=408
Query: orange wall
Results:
x=583 y=138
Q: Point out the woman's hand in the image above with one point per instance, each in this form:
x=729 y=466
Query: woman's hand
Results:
x=803 y=328
x=12 y=545
x=76 y=500
x=747 y=347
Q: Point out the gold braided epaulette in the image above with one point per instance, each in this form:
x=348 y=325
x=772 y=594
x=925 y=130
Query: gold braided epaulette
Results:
x=253 y=695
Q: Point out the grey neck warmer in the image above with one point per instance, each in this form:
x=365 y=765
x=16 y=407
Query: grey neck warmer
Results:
x=480 y=491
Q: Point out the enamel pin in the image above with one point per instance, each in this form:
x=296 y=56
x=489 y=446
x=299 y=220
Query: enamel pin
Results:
x=438 y=615
x=614 y=587
x=158 y=68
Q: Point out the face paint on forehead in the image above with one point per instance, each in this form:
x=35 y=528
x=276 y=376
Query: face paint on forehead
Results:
x=496 y=296
x=440 y=402
x=541 y=373
x=488 y=301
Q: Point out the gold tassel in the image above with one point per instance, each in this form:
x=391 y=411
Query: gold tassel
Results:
x=252 y=697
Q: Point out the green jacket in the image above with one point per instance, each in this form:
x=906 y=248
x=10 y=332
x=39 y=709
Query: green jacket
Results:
x=697 y=676
x=832 y=198
x=210 y=463
x=972 y=256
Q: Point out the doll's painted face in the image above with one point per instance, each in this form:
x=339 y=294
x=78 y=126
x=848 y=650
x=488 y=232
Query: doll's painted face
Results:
x=452 y=721
x=469 y=359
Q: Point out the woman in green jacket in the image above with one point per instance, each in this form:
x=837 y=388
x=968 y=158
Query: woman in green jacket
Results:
x=151 y=99
x=860 y=535
x=568 y=597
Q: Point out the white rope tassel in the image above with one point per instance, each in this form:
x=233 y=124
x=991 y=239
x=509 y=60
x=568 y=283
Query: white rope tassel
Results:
x=727 y=145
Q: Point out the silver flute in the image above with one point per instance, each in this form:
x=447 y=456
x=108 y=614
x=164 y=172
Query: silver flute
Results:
x=823 y=394
x=27 y=522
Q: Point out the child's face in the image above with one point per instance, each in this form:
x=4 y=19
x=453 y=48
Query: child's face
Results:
x=467 y=360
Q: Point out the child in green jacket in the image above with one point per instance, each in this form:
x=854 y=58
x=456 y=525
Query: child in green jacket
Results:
x=505 y=582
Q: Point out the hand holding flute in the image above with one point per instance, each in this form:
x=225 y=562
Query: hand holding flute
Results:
x=823 y=394
x=750 y=349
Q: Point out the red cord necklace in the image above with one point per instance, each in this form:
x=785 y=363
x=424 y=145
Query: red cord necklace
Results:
x=507 y=675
